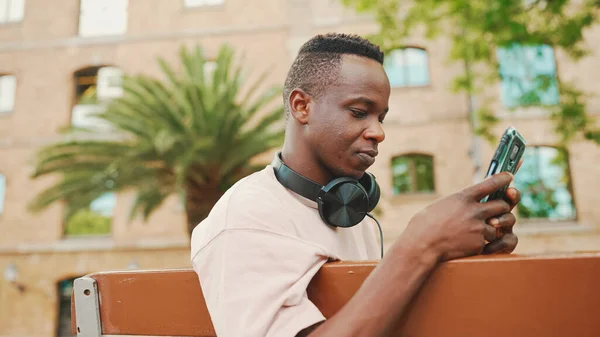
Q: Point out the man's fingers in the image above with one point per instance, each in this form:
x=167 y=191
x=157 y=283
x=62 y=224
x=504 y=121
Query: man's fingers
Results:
x=506 y=244
x=513 y=196
x=497 y=227
x=489 y=185
x=489 y=233
x=493 y=208
x=505 y=221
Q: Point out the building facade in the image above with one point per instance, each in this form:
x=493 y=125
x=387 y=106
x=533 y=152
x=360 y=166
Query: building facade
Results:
x=55 y=55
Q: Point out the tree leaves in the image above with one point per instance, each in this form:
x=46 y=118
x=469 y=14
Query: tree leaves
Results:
x=189 y=133
x=476 y=28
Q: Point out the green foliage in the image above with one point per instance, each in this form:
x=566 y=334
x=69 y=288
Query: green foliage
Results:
x=87 y=222
x=187 y=134
x=544 y=182
x=477 y=28
x=412 y=174
x=90 y=96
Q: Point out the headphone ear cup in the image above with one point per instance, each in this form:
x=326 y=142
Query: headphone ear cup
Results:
x=343 y=202
x=370 y=185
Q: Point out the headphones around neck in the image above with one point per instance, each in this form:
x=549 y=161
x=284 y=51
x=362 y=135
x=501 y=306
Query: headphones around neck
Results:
x=343 y=202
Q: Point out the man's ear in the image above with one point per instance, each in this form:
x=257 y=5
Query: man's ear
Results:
x=300 y=103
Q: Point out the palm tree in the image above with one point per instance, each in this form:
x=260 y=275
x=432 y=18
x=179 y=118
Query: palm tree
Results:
x=190 y=134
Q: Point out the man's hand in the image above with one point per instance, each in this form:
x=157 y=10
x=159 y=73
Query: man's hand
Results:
x=503 y=239
x=457 y=225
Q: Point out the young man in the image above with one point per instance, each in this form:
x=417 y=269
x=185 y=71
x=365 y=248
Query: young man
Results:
x=257 y=251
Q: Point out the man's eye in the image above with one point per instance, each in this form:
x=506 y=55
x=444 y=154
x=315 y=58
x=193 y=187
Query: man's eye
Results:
x=358 y=113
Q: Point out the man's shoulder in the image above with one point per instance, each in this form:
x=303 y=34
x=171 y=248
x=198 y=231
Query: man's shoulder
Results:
x=253 y=203
x=254 y=195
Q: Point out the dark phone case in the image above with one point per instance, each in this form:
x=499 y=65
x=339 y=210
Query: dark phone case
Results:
x=506 y=158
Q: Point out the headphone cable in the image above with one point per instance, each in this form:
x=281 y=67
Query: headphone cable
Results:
x=380 y=232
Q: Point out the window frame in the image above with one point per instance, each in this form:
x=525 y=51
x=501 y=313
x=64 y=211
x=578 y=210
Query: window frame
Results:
x=110 y=217
x=14 y=93
x=406 y=80
x=515 y=102
x=8 y=20
x=413 y=190
x=569 y=188
x=91 y=71
x=86 y=35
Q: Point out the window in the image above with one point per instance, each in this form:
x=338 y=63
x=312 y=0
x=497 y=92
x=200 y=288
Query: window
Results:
x=11 y=11
x=2 y=191
x=109 y=83
x=102 y=18
x=198 y=3
x=94 y=88
x=8 y=86
x=95 y=85
x=408 y=67
x=65 y=289
x=95 y=220
x=412 y=173
x=528 y=75
x=544 y=183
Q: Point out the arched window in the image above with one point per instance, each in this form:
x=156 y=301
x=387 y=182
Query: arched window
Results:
x=412 y=173
x=528 y=75
x=65 y=289
x=94 y=87
x=2 y=191
x=95 y=220
x=8 y=88
x=407 y=67
x=544 y=183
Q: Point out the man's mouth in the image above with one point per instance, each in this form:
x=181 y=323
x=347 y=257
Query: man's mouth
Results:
x=368 y=157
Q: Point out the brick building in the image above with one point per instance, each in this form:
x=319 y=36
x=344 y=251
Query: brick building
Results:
x=51 y=53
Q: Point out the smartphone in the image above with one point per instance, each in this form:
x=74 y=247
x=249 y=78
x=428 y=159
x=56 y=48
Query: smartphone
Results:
x=506 y=158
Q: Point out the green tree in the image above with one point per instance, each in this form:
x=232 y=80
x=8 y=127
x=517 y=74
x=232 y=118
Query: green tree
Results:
x=87 y=222
x=188 y=134
x=477 y=29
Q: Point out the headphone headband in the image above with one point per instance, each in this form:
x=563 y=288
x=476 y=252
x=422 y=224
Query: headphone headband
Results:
x=294 y=181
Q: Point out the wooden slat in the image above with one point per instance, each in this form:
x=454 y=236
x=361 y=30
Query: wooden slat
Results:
x=152 y=302
x=492 y=296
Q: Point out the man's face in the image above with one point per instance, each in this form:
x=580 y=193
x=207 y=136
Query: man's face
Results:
x=344 y=126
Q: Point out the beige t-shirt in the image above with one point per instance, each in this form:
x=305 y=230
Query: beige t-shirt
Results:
x=257 y=251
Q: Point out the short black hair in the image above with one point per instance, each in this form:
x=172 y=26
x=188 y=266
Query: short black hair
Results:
x=319 y=59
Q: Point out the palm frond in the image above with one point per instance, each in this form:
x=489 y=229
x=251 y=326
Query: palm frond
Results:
x=186 y=133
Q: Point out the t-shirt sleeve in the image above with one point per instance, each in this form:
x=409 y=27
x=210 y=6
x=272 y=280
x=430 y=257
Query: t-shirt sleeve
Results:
x=254 y=282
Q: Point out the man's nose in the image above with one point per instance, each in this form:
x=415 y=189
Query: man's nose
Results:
x=375 y=132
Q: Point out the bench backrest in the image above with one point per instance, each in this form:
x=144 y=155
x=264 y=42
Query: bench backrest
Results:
x=493 y=296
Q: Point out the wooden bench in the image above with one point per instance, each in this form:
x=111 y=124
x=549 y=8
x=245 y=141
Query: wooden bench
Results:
x=505 y=295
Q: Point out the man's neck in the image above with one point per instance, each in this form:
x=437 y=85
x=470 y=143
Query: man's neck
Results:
x=302 y=161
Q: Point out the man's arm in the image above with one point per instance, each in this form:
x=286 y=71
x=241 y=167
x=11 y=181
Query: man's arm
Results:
x=453 y=227
x=376 y=307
